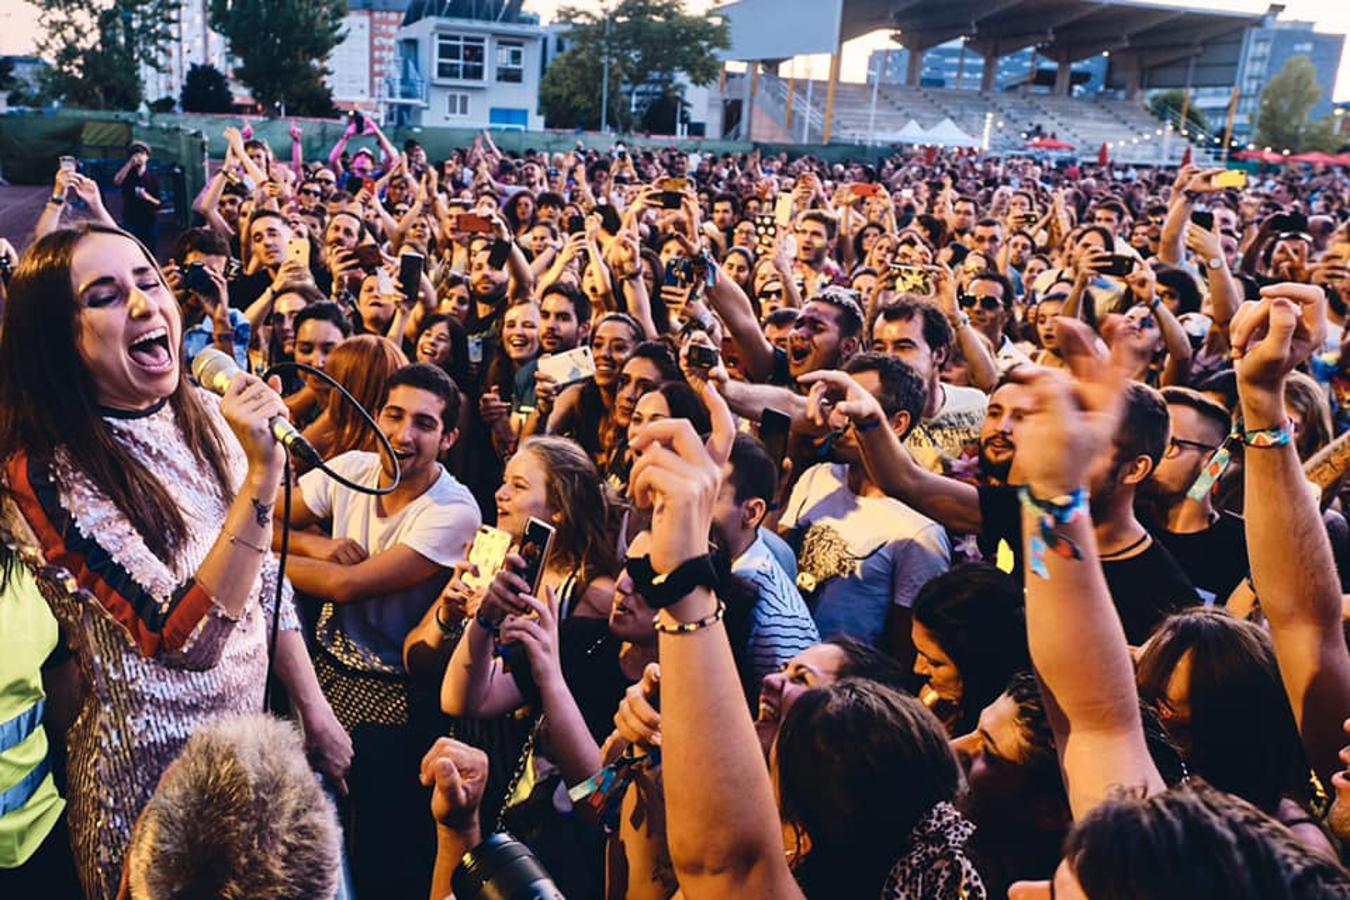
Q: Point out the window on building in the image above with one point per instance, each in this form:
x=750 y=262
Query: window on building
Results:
x=461 y=57
x=511 y=61
x=457 y=105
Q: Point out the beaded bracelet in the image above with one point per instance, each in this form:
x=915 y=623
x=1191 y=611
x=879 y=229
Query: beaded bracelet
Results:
x=690 y=627
x=1049 y=513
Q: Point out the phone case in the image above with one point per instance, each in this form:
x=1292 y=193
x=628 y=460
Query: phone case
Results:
x=487 y=553
x=569 y=367
x=535 y=545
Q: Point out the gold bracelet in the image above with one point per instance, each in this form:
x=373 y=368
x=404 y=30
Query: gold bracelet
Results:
x=236 y=539
x=690 y=627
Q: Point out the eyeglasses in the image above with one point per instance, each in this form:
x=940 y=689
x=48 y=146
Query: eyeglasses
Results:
x=988 y=304
x=311 y=192
x=1176 y=445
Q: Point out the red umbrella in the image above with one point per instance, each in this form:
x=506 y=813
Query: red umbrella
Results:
x=1316 y=158
x=1048 y=144
x=1104 y=154
x=1186 y=156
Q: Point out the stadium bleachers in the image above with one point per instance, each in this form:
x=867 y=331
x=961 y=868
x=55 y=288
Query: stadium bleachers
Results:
x=1085 y=123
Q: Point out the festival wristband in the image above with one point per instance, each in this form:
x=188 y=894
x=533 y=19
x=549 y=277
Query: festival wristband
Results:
x=1261 y=439
x=1048 y=514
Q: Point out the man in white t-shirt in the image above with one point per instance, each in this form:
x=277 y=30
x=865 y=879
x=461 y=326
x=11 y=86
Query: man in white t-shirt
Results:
x=862 y=556
x=917 y=333
x=385 y=562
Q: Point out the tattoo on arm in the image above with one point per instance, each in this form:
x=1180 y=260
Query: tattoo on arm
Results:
x=262 y=512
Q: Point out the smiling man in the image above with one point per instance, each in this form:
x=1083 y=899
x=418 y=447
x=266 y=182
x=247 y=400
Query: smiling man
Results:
x=383 y=566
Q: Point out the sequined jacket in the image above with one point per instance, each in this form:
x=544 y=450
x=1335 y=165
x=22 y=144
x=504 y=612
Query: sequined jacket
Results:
x=157 y=654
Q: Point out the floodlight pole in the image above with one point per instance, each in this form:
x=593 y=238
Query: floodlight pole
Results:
x=872 y=111
x=604 y=83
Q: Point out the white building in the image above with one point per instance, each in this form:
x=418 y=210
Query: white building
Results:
x=193 y=43
x=469 y=64
x=360 y=67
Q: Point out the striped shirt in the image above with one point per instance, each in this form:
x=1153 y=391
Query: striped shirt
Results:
x=780 y=624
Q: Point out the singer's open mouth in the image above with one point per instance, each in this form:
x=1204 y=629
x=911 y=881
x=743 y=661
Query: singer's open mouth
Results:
x=151 y=350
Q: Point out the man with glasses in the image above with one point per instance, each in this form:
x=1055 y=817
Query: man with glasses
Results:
x=1209 y=544
x=309 y=195
x=988 y=301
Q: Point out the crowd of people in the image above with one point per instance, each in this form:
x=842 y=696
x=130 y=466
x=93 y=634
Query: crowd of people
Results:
x=724 y=525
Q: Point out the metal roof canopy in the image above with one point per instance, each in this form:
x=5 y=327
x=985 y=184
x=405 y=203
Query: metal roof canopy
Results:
x=1163 y=43
x=1160 y=46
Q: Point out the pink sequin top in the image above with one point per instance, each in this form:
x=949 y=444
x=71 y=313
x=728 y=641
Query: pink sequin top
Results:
x=156 y=654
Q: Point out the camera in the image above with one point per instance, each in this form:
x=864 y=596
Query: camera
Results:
x=502 y=867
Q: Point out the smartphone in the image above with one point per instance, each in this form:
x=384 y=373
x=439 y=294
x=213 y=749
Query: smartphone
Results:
x=609 y=219
x=1204 y=219
x=576 y=224
x=472 y=223
x=670 y=199
x=1117 y=265
x=782 y=210
x=498 y=254
x=569 y=367
x=488 y=552
x=1231 y=178
x=368 y=255
x=67 y=163
x=385 y=282
x=410 y=273
x=774 y=426
x=475 y=342
x=673 y=184
x=913 y=279
x=196 y=279
x=677 y=273
x=907 y=193
x=297 y=249
x=357 y=119
x=703 y=356
x=535 y=545
x=368 y=185
x=865 y=189
x=766 y=231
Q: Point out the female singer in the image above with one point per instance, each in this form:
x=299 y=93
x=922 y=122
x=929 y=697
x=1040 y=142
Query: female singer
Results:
x=157 y=498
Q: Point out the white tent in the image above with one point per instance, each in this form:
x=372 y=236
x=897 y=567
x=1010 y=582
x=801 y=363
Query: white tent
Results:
x=911 y=133
x=948 y=134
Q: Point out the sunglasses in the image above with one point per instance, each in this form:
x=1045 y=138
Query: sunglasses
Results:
x=311 y=192
x=1145 y=322
x=988 y=304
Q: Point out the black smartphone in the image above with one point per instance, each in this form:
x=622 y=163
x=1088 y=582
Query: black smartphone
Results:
x=609 y=219
x=1204 y=219
x=498 y=254
x=774 y=426
x=358 y=120
x=576 y=224
x=368 y=255
x=535 y=545
x=196 y=279
x=677 y=273
x=703 y=356
x=1118 y=265
x=671 y=200
x=410 y=273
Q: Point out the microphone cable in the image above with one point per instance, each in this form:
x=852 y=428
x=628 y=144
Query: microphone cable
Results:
x=284 y=552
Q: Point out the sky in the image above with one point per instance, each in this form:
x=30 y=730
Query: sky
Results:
x=18 y=30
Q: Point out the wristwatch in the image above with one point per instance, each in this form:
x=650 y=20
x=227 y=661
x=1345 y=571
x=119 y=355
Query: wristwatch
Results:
x=57 y=200
x=660 y=591
x=959 y=321
x=1216 y=263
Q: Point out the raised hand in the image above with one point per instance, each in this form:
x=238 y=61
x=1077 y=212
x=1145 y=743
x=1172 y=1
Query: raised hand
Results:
x=457 y=774
x=537 y=632
x=1272 y=336
x=677 y=476
x=637 y=720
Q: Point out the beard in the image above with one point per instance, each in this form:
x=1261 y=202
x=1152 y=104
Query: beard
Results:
x=992 y=470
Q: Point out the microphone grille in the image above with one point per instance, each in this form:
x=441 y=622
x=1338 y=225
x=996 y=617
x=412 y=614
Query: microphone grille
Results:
x=213 y=370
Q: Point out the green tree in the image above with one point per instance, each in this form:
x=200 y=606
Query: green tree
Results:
x=282 y=45
x=96 y=48
x=1166 y=105
x=205 y=90
x=1282 y=122
x=650 y=43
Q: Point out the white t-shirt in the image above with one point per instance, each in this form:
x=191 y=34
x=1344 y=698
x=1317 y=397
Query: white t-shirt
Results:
x=954 y=431
x=859 y=555
x=369 y=634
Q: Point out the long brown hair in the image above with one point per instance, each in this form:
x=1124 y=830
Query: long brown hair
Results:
x=49 y=402
x=583 y=540
x=363 y=365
